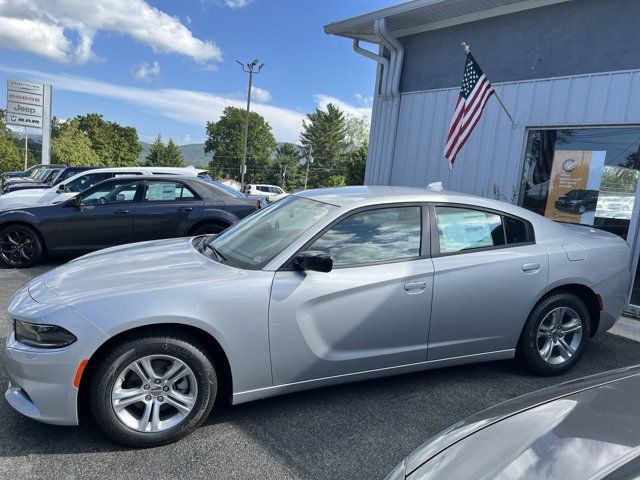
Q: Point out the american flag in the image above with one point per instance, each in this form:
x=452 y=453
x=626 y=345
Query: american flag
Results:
x=474 y=93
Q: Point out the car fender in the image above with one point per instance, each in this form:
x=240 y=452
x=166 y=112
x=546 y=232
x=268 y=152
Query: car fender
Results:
x=213 y=213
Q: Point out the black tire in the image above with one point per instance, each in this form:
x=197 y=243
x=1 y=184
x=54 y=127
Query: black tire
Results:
x=529 y=346
x=582 y=209
x=28 y=253
x=209 y=228
x=111 y=366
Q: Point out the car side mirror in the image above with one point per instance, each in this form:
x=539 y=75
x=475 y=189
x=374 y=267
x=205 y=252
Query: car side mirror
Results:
x=314 y=260
x=60 y=189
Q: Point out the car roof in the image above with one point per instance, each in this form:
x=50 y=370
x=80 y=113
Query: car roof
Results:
x=362 y=196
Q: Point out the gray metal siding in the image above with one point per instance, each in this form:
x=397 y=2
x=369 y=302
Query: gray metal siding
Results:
x=494 y=151
x=576 y=37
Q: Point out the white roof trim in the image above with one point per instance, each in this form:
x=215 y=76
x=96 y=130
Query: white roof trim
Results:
x=361 y=27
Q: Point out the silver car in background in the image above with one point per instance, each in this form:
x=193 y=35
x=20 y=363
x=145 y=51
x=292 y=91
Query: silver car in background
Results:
x=324 y=287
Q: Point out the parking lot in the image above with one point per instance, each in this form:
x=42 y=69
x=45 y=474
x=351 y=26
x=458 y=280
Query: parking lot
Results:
x=352 y=431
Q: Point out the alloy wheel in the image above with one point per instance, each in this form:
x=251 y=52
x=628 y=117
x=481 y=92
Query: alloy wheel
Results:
x=154 y=393
x=559 y=335
x=17 y=247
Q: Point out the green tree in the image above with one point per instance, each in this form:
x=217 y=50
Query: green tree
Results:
x=225 y=141
x=117 y=146
x=285 y=169
x=357 y=131
x=325 y=136
x=71 y=147
x=156 y=155
x=11 y=150
x=11 y=156
x=356 y=163
x=173 y=155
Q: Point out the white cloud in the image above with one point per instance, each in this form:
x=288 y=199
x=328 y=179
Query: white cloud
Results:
x=237 y=3
x=186 y=106
x=356 y=111
x=146 y=71
x=190 y=107
x=260 y=94
x=48 y=24
x=364 y=101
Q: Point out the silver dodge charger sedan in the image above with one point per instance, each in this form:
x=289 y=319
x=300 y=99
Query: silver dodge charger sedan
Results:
x=324 y=287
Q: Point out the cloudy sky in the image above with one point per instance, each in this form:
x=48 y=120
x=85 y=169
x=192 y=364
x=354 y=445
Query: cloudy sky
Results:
x=167 y=66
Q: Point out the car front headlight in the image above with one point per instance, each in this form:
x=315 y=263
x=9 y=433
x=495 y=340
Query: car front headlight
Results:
x=42 y=336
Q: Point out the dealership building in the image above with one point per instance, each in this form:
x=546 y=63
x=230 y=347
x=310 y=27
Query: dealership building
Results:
x=568 y=71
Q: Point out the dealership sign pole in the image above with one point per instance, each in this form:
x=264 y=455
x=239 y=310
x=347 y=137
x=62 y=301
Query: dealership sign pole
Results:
x=29 y=105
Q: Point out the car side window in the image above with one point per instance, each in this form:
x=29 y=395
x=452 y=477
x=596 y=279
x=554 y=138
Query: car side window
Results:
x=166 y=191
x=462 y=229
x=82 y=183
x=517 y=231
x=380 y=235
x=112 y=192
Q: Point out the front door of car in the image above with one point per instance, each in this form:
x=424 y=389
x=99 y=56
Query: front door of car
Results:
x=99 y=217
x=168 y=209
x=371 y=311
x=488 y=274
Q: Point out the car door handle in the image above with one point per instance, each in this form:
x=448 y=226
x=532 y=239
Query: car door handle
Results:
x=415 y=287
x=122 y=212
x=185 y=209
x=531 y=267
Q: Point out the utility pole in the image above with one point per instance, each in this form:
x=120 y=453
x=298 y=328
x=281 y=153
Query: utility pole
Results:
x=26 y=147
x=249 y=68
x=309 y=160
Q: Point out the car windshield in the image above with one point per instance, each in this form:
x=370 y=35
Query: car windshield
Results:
x=42 y=175
x=259 y=238
x=35 y=172
x=577 y=194
x=226 y=188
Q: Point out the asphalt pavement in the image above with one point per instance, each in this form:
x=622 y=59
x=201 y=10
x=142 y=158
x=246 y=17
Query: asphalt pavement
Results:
x=353 y=431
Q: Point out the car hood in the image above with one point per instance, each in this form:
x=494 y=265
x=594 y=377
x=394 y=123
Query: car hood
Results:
x=539 y=434
x=126 y=269
x=21 y=198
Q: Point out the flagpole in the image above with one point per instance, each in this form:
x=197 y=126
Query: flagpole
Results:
x=466 y=48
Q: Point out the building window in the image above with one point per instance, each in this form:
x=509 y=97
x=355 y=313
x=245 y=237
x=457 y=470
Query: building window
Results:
x=582 y=175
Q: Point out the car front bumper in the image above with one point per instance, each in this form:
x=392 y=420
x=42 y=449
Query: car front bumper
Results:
x=41 y=381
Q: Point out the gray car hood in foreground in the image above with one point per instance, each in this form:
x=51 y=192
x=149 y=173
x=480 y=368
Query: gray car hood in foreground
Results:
x=574 y=430
x=129 y=268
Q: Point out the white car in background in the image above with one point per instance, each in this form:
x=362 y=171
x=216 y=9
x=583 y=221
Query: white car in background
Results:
x=80 y=182
x=272 y=192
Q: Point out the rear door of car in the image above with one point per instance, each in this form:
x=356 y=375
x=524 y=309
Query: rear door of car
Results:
x=488 y=274
x=167 y=209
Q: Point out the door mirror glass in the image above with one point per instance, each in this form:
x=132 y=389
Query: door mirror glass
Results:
x=314 y=260
x=60 y=188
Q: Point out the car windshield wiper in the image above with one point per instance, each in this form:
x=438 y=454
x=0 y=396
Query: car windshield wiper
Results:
x=220 y=257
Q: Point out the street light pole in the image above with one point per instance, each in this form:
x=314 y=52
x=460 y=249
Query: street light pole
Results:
x=309 y=160
x=249 y=68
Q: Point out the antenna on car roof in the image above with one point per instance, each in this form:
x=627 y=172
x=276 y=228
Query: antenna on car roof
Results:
x=436 y=186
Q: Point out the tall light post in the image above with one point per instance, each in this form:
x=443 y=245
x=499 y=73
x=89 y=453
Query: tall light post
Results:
x=249 y=68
